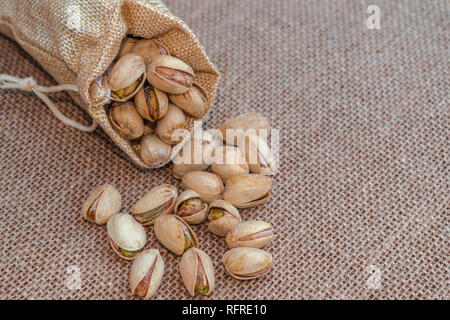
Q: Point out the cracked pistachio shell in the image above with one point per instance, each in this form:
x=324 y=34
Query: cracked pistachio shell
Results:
x=174 y=119
x=126 y=46
x=153 y=151
x=159 y=201
x=175 y=234
x=197 y=272
x=103 y=202
x=151 y=103
x=247 y=190
x=126 y=121
x=146 y=273
x=148 y=49
x=247 y=121
x=255 y=234
x=247 y=263
x=126 y=77
x=126 y=236
x=208 y=185
x=229 y=162
x=193 y=102
x=258 y=154
x=190 y=207
x=222 y=216
x=170 y=74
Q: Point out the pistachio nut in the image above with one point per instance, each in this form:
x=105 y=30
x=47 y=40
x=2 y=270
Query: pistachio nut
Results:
x=247 y=263
x=247 y=190
x=175 y=234
x=126 y=236
x=229 y=162
x=197 y=272
x=255 y=234
x=170 y=74
x=146 y=273
x=126 y=77
x=159 y=201
x=149 y=127
x=208 y=185
x=174 y=119
x=99 y=91
x=148 y=49
x=152 y=104
x=126 y=46
x=257 y=153
x=190 y=207
x=242 y=123
x=125 y=120
x=193 y=102
x=222 y=216
x=153 y=151
x=103 y=202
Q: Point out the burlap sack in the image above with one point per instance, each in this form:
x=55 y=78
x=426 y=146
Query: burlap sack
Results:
x=75 y=41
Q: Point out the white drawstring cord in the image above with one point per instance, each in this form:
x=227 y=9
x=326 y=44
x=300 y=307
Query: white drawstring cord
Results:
x=29 y=84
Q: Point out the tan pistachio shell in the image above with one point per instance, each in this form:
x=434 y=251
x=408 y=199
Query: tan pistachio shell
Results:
x=248 y=190
x=174 y=119
x=193 y=102
x=103 y=202
x=148 y=49
x=195 y=218
x=247 y=263
x=125 y=120
x=255 y=234
x=229 y=162
x=125 y=233
x=196 y=266
x=147 y=96
x=208 y=185
x=244 y=122
x=169 y=231
x=154 y=151
x=126 y=46
x=177 y=77
x=146 y=273
x=159 y=201
x=258 y=154
x=224 y=224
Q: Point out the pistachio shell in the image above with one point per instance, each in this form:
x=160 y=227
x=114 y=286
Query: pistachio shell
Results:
x=258 y=154
x=244 y=122
x=126 y=77
x=228 y=217
x=151 y=103
x=171 y=231
x=153 y=151
x=126 y=234
x=174 y=119
x=255 y=234
x=170 y=74
x=208 y=185
x=199 y=214
x=126 y=121
x=126 y=46
x=148 y=49
x=197 y=272
x=146 y=273
x=159 y=201
x=247 y=190
x=247 y=263
x=229 y=162
x=103 y=202
x=193 y=102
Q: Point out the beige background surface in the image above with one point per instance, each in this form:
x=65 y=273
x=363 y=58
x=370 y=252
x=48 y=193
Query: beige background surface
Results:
x=360 y=204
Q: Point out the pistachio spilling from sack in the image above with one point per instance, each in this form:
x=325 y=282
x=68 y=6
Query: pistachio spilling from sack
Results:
x=208 y=185
x=158 y=201
x=152 y=104
x=255 y=234
x=193 y=102
x=247 y=263
x=229 y=162
x=222 y=216
x=153 y=151
x=126 y=236
x=126 y=46
x=247 y=190
x=103 y=202
x=149 y=49
x=241 y=124
x=126 y=121
x=170 y=74
x=146 y=273
x=126 y=77
x=190 y=207
x=257 y=153
x=175 y=234
x=197 y=272
x=174 y=119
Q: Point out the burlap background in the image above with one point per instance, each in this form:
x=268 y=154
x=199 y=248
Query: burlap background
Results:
x=360 y=205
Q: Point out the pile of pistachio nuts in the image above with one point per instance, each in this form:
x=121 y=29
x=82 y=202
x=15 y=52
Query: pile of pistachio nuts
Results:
x=151 y=90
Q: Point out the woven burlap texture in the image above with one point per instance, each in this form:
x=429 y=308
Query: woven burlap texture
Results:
x=360 y=203
x=75 y=41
